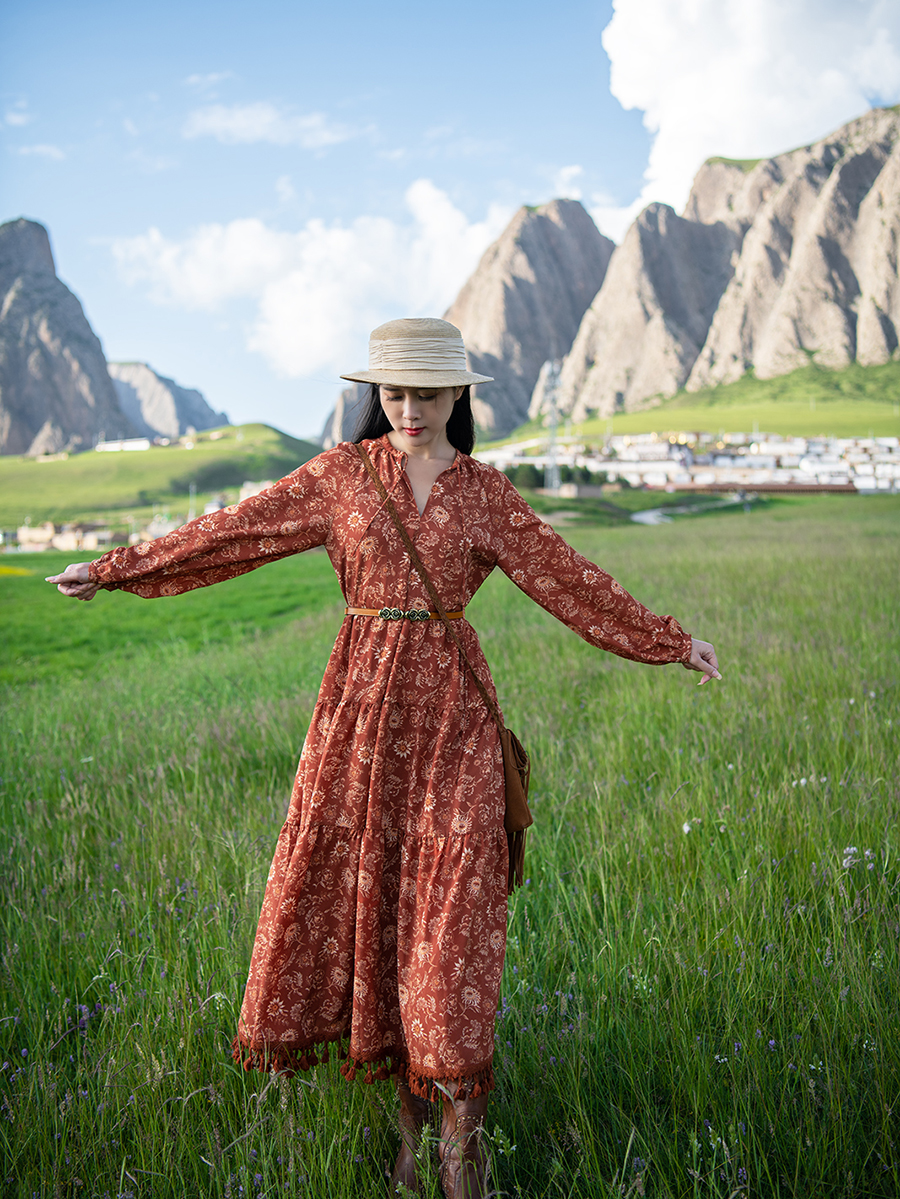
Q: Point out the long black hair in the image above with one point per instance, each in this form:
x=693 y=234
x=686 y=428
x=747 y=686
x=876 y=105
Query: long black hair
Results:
x=373 y=423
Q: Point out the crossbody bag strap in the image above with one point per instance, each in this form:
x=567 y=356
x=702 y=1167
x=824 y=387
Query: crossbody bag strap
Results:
x=429 y=586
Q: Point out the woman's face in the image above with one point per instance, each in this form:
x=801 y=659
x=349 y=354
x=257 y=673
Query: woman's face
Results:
x=418 y=415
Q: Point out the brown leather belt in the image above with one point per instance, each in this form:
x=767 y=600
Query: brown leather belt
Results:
x=399 y=614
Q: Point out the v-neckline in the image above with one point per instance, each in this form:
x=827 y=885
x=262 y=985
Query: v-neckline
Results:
x=421 y=511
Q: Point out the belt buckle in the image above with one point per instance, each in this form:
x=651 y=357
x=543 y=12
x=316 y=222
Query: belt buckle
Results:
x=399 y=614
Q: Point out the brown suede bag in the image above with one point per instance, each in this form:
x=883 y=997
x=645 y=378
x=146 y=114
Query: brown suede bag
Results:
x=516 y=766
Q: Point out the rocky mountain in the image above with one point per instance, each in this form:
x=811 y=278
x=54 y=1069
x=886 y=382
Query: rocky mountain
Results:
x=645 y=329
x=773 y=264
x=341 y=421
x=521 y=307
x=158 y=406
x=524 y=303
x=55 y=391
x=817 y=272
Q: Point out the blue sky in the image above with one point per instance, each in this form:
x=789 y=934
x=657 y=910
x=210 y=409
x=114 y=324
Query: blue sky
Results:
x=238 y=193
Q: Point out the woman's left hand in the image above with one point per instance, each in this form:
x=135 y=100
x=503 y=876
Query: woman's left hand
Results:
x=703 y=658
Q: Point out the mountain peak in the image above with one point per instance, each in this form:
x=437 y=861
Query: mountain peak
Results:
x=523 y=304
x=25 y=249
x=158 y=406
x=55 y=392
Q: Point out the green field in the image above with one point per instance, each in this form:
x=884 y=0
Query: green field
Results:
x=855 y=402
x=40 y=637
x=116 y=486
x=711 y=1012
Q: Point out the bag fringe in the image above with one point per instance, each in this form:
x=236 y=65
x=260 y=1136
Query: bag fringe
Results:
x=516 y=845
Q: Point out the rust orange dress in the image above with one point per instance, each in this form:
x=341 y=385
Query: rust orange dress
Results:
x=383 y=926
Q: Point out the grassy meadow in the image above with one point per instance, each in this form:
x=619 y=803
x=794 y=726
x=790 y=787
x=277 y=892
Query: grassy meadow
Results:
x=702 y=988
x=41 y=638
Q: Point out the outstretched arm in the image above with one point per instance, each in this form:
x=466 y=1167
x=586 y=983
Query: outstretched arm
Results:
x=291 y=516
x=581 y=594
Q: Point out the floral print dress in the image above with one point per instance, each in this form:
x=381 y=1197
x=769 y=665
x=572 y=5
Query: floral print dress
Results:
x=383 y=926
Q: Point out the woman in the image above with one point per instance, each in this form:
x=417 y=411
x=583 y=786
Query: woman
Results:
x=384 y=920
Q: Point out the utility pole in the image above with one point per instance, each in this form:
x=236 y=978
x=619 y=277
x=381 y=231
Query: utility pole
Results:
x=192 y=507
x=550 y=375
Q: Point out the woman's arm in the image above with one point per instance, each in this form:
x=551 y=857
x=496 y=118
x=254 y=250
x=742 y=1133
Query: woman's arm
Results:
x=581 y=595
x=287 y=518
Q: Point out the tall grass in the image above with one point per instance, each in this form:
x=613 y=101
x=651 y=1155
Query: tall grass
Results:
x=701 y=990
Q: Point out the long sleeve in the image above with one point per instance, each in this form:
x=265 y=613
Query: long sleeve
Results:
x=291 y=516
x=572 y=588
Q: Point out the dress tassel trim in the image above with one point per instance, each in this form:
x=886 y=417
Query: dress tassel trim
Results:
x=287 y=1059
x=377 y=1070
x=281 y=1059
x=468 y=1086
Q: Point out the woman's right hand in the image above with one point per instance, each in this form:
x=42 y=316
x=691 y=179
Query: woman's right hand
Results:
x=75 y=581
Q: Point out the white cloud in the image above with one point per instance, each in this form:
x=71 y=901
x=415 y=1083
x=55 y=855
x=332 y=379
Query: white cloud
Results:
x=262 y=122
x=151 y=164
x=743 y=79
x=202 y=82
x=318 y=292
x=18 y=115
x=43 y=151
x=284 y=189
x=564 y=185
x=215 y=264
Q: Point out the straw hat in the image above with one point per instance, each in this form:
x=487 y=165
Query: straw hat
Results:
x=417 y=352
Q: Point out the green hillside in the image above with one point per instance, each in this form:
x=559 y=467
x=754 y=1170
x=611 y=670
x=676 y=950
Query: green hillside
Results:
x=859 y=401
x=118 y=486
x=127 y=487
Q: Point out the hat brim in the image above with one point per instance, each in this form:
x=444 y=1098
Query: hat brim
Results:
x=419 y=378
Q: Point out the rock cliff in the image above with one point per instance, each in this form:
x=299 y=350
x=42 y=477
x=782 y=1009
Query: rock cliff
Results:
x=645 y=329
x=817 y=272
x=55 y=391
x=158 y=406
x=523 y=304
x=773 y=263
x=341 y=422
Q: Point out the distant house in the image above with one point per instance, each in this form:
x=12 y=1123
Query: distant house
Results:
x=216 y=504
x=124 y=443
x=158 y=527
x=70 y=538
x=35 y=538
x=250 y=489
